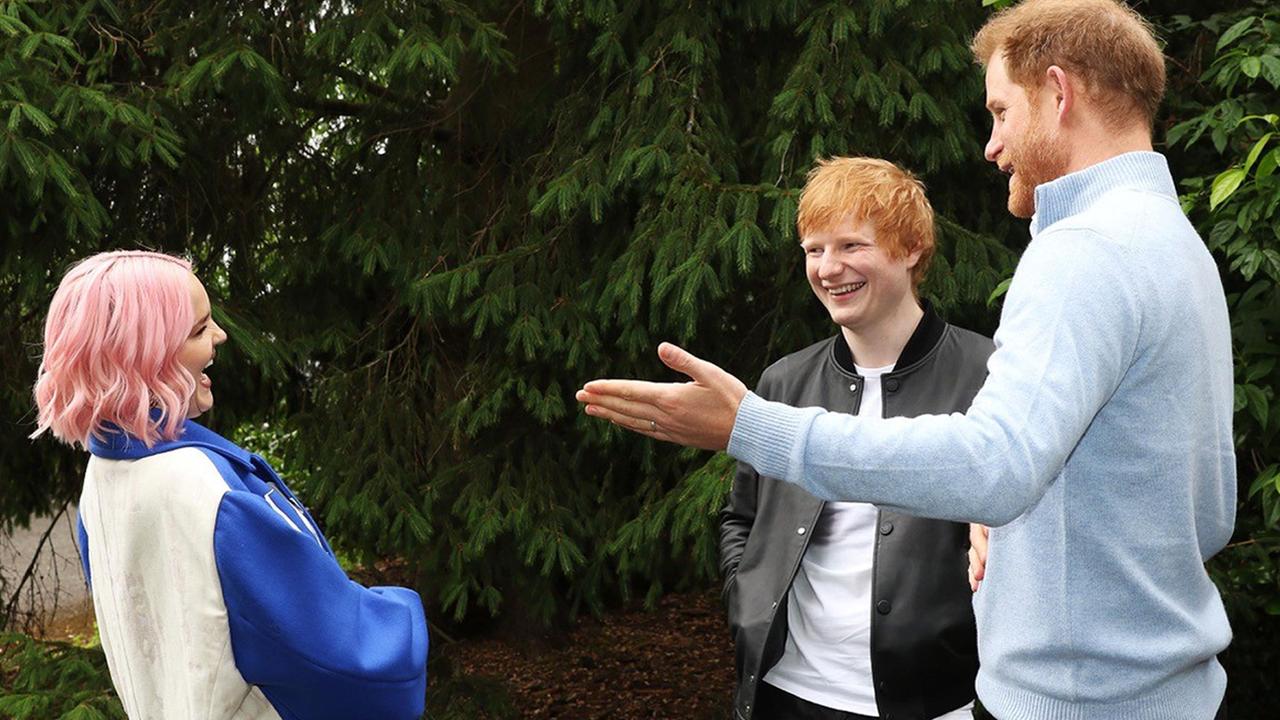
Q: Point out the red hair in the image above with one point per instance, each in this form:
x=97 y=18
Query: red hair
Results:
x=865 y=188
x=1109 y=46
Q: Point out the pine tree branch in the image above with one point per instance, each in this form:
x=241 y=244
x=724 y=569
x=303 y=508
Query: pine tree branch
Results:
x=329 y=107
x=369 y=86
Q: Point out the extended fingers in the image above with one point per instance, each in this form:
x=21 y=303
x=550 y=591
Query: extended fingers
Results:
x=638 y=390
x=624 y=400
x=630 y=389
x=641 y=425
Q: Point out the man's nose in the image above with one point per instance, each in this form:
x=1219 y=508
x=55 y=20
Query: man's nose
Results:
x=830 y=266
x=994 y=147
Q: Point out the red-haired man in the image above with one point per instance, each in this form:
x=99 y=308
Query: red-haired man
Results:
x=843 y=610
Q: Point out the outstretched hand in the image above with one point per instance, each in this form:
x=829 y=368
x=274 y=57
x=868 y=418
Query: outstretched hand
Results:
x=698 y=414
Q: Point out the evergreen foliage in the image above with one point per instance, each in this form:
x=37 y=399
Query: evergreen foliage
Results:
x=54 y=681
x=424 y=224
x=70 y=134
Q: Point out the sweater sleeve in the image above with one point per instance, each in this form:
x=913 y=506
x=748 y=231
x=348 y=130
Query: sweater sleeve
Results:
x=318 y=644
x=1067 y=335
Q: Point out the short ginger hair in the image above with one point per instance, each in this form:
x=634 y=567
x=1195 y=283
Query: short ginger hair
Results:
x=1105 y=43
x=863 y=188
x=115 y=326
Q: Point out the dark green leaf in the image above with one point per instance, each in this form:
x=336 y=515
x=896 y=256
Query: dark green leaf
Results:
x=1234 y=32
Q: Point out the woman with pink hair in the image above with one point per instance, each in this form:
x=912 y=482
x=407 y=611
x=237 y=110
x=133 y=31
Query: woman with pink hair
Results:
x=216 y=595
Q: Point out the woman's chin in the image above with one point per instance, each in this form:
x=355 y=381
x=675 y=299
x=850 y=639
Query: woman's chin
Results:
x=200 y=404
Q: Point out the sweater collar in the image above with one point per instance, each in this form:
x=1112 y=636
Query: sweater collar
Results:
x=927 y=333
x=1073 y=193
x=116 y=444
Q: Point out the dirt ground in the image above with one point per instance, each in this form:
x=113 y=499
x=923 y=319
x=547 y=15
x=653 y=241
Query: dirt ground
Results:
x=673 y=662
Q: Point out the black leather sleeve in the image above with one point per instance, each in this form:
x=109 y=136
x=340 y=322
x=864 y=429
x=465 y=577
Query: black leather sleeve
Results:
x=737 y=517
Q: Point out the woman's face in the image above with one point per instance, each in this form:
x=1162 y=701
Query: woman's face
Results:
x=198 y=350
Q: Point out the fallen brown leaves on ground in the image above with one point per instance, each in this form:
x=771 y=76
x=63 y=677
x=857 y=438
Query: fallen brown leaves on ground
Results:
x=675 y=661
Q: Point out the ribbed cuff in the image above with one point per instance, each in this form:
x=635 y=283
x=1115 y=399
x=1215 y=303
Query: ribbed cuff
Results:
x=768 y=436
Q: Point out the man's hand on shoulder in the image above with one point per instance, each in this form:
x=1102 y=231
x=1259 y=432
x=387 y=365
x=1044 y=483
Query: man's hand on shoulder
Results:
x=698 y=414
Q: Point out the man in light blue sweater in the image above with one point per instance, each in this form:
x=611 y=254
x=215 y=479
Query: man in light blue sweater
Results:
x=1100 y=448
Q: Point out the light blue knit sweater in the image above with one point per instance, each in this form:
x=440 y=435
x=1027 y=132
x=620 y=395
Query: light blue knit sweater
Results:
x=1100 y=449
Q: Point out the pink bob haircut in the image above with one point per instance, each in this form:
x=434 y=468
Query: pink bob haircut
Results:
x=114 y=329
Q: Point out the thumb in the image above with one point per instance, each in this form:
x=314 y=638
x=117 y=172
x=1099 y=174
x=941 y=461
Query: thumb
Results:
x=683 y=361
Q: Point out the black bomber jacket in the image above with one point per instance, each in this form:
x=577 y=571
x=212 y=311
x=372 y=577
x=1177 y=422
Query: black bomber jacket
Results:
x=923 y=643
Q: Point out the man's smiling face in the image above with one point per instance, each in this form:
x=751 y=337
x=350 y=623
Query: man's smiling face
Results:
x=854 y=276
x=1020 y=144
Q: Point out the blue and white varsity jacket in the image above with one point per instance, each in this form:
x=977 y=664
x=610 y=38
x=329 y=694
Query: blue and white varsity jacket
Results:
x=217 y=598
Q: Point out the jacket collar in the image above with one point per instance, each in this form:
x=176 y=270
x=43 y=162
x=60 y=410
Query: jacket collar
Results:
x=115 y=444
x=926 y=335
x=1074 y=192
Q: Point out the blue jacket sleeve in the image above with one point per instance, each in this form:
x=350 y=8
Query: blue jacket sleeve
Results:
x=82 y=540
x=318 y=644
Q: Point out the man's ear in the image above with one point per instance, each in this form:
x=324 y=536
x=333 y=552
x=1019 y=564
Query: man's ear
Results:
x=913 y=258
x=1063 y=89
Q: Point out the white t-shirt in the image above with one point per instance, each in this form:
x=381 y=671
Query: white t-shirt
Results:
x=827 y=658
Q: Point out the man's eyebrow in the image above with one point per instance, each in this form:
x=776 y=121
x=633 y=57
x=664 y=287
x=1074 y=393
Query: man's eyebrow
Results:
x=842 y=238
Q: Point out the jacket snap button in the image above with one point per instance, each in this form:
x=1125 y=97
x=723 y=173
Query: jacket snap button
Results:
x=853 y=387
x=886 y=527
x=775 y=604
x=800 y=531
x=891 y=385
x=883 y=607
